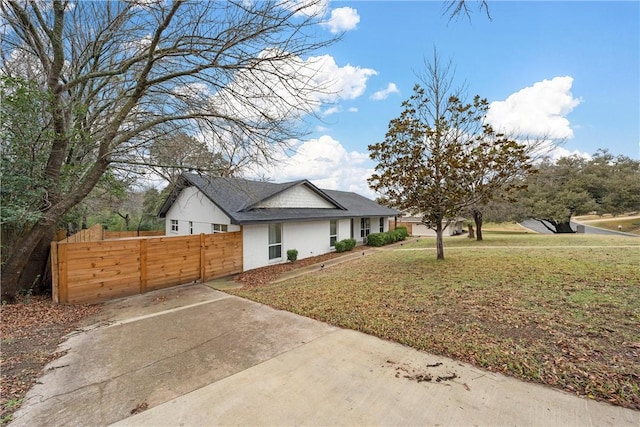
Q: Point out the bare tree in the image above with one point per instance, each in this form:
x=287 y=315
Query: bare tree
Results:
x=120 y=74
x=456 y=8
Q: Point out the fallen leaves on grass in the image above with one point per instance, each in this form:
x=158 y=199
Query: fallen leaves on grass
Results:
x=31 y=330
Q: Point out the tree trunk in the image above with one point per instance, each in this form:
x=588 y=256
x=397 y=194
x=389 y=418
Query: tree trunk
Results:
x=477 y=218
x=564 y=227
x=439 y=243
x=14 y=267
x=35 y=275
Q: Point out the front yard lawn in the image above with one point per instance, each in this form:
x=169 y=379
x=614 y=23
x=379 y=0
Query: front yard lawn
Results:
x=558 y=310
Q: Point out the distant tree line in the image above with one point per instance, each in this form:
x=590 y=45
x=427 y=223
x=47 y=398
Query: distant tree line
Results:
x=558 y=190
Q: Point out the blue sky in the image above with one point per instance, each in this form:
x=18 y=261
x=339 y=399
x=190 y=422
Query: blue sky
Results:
x=569 y=68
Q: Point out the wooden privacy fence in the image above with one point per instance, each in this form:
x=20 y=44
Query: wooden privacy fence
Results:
x=88 y=272
x=91 y=234
x=124 y=234
x=96 y=233
x=408 y=225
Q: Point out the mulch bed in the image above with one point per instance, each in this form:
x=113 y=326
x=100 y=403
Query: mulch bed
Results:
x=30 y=331
x=262 y=276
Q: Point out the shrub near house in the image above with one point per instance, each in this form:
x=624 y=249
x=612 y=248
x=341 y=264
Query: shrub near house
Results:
x=345 y=245
x=380 y=239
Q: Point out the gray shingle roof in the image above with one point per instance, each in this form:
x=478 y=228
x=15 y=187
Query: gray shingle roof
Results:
x=238 y=197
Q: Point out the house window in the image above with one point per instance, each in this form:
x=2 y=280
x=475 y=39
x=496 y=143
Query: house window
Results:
x=382 y=224
x=333 y=232
x=174 y=225
x=365 y=227
x=275 y=241
x=219 y=228
x=190 y=227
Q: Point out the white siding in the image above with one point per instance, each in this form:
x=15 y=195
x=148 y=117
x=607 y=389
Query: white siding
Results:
x=255 y=246
x=192 y=205
x=299 y=196
x=309 y=238
x=344 y=229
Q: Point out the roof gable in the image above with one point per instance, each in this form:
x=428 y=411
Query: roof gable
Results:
x=246 y=202
x=301 y=194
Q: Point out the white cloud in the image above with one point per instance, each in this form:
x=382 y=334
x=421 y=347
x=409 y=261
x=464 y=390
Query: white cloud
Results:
x=538 y=110
x=324 y=162
x=342 y=19
x=346 y=82
x=332 y=110
x=559 y=152
x=193 y=91
x=384 y=93
x=353 y=109
x=307 y=7
x=290 y=89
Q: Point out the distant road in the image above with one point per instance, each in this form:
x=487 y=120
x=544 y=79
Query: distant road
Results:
x=534 y=225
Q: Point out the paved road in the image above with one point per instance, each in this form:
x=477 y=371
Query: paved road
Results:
x=193 y=356
x=534 y=225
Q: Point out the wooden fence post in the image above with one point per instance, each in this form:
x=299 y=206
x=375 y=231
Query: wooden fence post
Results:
x=143 y=265
x=54 y=272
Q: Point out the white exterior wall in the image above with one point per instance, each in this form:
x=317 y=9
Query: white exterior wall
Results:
x=255 y=246
x=310 y=238
x=344 y=229
x=192 y=205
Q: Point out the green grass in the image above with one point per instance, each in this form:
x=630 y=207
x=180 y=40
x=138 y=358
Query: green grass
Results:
x=559 y=310
x=7 y=410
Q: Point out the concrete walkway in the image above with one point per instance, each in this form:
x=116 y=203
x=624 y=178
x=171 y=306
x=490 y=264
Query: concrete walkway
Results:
x=194 y=356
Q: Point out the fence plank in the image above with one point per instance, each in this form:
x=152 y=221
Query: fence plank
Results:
x=143 y=265
x=202 y=248
x=63 y=283
x=54 y=272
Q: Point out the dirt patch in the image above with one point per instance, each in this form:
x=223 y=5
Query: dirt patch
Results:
x=31 y=331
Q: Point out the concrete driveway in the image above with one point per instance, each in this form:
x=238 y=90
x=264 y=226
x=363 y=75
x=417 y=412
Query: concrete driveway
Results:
x=193 y=356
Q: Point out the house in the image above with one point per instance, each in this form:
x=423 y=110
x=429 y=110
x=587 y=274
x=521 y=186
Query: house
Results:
x=415 y=227
x=273 y=217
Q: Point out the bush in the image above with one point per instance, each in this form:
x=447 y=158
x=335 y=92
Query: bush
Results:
x=345 y=245
x=351 y=243
x=340 y=246
x=377 y=239
x=403 y=232
x=292 y=255
x=380 y=239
